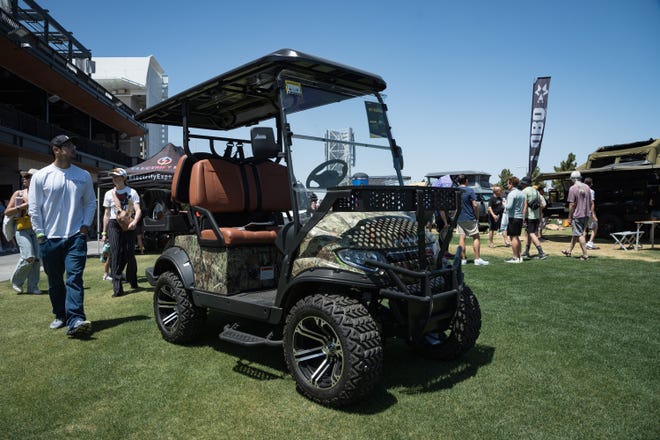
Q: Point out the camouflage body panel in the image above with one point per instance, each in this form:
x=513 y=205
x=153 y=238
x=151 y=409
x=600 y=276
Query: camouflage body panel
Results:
x=227 y=271
x=380 y=231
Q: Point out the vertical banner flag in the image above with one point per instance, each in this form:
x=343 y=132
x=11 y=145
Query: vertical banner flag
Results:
x=539 y=111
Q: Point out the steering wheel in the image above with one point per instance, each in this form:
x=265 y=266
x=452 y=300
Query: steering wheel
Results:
x=327 y=178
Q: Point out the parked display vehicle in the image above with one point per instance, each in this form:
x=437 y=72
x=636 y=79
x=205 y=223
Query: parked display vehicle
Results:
x=624 y=178
x=329 y=284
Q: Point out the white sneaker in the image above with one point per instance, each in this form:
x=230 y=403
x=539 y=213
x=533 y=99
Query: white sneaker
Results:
x=80 y=329
x=463 y=262
x=18 y=289
x=590 y=245
x=513 y=260
x=57 y=323
x=481 y=262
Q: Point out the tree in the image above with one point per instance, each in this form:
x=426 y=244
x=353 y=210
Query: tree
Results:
x=567 y=165
x=504 y=176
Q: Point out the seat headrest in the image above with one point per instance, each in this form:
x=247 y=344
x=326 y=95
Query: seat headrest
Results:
x=263 y=143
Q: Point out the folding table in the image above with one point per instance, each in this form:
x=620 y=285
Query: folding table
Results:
x=627 y=239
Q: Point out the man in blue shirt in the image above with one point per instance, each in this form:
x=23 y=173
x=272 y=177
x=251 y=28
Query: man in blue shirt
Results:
x=468 y=222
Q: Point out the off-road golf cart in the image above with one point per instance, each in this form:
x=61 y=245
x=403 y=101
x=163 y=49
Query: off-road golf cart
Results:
x=330 y=285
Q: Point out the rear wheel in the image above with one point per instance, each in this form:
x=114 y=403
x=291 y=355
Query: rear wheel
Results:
x=462 y=334
x=178 y=319
x=333 y=349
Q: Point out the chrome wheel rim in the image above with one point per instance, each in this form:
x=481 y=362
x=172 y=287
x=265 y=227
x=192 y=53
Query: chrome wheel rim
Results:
x=167 y=310
x=317 y=352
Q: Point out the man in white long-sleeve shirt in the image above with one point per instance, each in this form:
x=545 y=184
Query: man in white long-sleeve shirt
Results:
x=61 y=206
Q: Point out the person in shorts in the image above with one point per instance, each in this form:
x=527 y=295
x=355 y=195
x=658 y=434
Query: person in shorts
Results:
x=495 y=210
x=468 y=223
x=532 y=215
x=515 y=204
x=579 y=212
x=593 y=221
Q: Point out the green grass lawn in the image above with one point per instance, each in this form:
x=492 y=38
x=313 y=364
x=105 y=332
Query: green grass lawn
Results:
x=568 y=349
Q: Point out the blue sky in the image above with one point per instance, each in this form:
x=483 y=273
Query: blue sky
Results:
x=459 y=73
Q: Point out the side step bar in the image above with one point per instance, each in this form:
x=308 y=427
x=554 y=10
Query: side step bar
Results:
x=232 y=334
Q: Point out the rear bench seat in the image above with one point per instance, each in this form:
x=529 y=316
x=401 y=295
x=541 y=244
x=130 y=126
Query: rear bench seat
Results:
x=230 y=189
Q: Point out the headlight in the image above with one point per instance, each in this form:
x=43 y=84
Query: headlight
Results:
x=356 y=257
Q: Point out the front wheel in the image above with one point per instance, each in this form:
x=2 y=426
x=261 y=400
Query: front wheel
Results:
x=177 y=317
x=463 y=331
x=333 y=349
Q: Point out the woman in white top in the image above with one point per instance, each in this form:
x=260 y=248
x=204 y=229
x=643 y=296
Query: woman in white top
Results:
x=122 y=242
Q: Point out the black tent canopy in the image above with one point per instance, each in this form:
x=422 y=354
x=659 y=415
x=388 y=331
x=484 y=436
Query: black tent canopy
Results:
x=154 y=173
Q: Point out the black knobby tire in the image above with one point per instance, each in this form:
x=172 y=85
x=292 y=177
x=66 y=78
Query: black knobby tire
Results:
x=463 y=331
x=177 y=317
x=333 y=349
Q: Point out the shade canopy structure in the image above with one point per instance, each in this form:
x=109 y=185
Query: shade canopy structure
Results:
x=250 y=94
x=154 y=173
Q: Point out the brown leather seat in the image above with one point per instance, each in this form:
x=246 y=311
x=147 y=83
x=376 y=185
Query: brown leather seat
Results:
x=241 y=237
x=223 y=186
x=181 y=180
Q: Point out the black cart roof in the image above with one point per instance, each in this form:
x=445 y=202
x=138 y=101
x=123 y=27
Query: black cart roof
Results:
x=249 y=94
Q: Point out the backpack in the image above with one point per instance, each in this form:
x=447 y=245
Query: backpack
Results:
x=535 y=204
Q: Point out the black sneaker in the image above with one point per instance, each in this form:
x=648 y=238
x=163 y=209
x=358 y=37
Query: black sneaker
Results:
x=543 y=256
x=80 y=329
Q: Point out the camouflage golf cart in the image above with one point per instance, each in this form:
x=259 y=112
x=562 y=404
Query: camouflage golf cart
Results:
x=330 y=284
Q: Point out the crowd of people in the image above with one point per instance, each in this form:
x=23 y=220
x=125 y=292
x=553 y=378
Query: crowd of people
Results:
x=49 y=219
x=521 y=207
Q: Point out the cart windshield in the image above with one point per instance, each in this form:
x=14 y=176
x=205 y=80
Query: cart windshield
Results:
x=335 y=144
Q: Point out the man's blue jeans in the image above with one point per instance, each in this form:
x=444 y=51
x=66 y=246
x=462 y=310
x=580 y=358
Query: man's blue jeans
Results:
x=60 y=255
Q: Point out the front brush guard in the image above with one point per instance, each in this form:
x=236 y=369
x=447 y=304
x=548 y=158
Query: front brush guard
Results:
x=435 y=287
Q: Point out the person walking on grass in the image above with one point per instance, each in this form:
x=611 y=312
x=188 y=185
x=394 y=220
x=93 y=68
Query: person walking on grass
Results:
x=495 y=211
x=531 y=212
x=61 y=206
x=468 y=222
x=593 y=221
x=515 y=205
x=28 y=265
x=579 y=211
x=122 y=242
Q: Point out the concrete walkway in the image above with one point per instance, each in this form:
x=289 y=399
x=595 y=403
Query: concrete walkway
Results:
x=8 y=260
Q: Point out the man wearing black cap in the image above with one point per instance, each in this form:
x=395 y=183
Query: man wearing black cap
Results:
x=61 y=206
x=532 y=214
